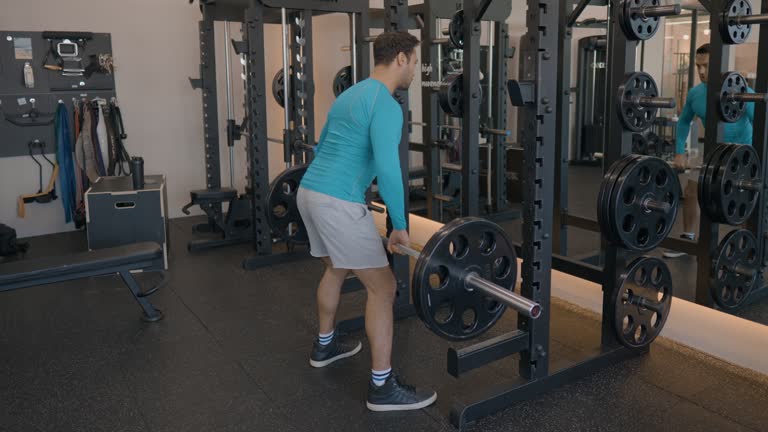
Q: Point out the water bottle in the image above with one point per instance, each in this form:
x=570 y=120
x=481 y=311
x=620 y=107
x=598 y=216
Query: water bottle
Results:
x=137 y=171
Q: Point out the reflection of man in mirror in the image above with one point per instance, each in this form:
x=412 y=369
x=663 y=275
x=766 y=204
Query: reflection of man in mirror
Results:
x=739 y=132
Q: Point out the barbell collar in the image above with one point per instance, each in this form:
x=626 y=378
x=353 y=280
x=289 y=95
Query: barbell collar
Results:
x=656 y=102
x=510 y=298
x=657 y=11
x=751 y=19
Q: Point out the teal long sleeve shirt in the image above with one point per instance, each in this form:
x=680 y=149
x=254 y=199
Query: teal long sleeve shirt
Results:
x=359 y=142
x=739 y=132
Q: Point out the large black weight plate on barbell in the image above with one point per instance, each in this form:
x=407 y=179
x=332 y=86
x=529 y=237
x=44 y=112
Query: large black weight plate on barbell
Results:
x=641 y=302
x=634 y=25
x=456 y=29
x=342 y=80
x=730 y=288
x=705 y=179
x=282 y=210
x=733 y=202
x=440 y=296
x=634 y=223
x=731 y=110
x=451 y=95
x=635 y=117
x=731 y=32
x=606 y=188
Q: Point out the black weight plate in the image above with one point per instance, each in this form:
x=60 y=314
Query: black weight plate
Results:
x=731 y=110
x=278 y=88
x=647 y=182
x=342 y=80
x=606 y=187
x=635 y=117
x=451 y=95
x=634 y=25
x=730 y=288
x=639 y=144
x=736 y=203
x=642 y=301
x=654 y=144
x=713 y=180
x=732 y=32
x=441 y=299
x=705 y=177
x=282 y=211
x=456 y=29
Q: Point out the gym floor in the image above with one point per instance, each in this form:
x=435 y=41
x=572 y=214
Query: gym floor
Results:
x=232 y=355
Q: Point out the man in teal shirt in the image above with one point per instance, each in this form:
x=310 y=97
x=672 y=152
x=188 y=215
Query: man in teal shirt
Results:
x=359 y=142
x=739 y=132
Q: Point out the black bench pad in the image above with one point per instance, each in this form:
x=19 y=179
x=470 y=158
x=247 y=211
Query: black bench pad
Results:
x=135 y=256
x=213 y=195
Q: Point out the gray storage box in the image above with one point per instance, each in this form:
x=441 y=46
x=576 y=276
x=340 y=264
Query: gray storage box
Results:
x=117 y=215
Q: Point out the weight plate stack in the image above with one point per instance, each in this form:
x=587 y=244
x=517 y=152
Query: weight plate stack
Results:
x=636 y=26
x=734 y=271
x=451 y=95
x=732 y=185
x=634 y=116
x=639 y=204
x=283 y=212
x=733 y=33
x=731 y=110
x=278 y=88
x=342 y=80
x=440 y=295
x=456 y=29
x=641 y=302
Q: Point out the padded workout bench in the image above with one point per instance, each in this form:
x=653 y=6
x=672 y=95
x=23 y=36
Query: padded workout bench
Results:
x=122 y=260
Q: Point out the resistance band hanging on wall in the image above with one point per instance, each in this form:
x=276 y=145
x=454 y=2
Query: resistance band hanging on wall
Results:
x=68 y=188
x=42 y=196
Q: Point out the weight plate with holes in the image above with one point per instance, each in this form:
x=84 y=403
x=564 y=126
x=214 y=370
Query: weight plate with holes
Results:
x=451 y=95
x=342 y=80
x=731 y=110
x=654 y=144
x=735 y=185
x=278 y=88
x=636 y=85
x=643 y=204
x=456 y=29
x=712 y=206
x=733 y=33
x=282 y=211
x=636 y=26
x=440 y=296
x=606 y=187
x=705 y=179
x=641 y=302
x=639 y=144
x=734 y=272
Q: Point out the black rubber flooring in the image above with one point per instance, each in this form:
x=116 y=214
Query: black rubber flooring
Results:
x=231 y=355
x=584 y=184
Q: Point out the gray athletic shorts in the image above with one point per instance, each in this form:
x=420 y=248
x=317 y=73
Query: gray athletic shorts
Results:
x=342 y=230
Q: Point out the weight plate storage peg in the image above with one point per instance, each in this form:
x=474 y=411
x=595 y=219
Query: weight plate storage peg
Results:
x=441 y=295
x=282 y=210
x=342 y=80
x=732 y=30
x=639 y=204
x=731 y=106
x=456 y=29
x=734 y=272
x=638 y=101
x=635 y=24
x=641 y=302
x=733 y=185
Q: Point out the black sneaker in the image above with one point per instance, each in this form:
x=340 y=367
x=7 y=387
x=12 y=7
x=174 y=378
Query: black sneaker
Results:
x=395 y=396
x=323 y=355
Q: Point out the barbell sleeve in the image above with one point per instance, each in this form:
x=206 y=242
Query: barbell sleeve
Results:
x=510 y=298
x=474 y=281
x=752 y=19
x=658 y=11
x=744 y=270
x=750 y=97
x=656 y=102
